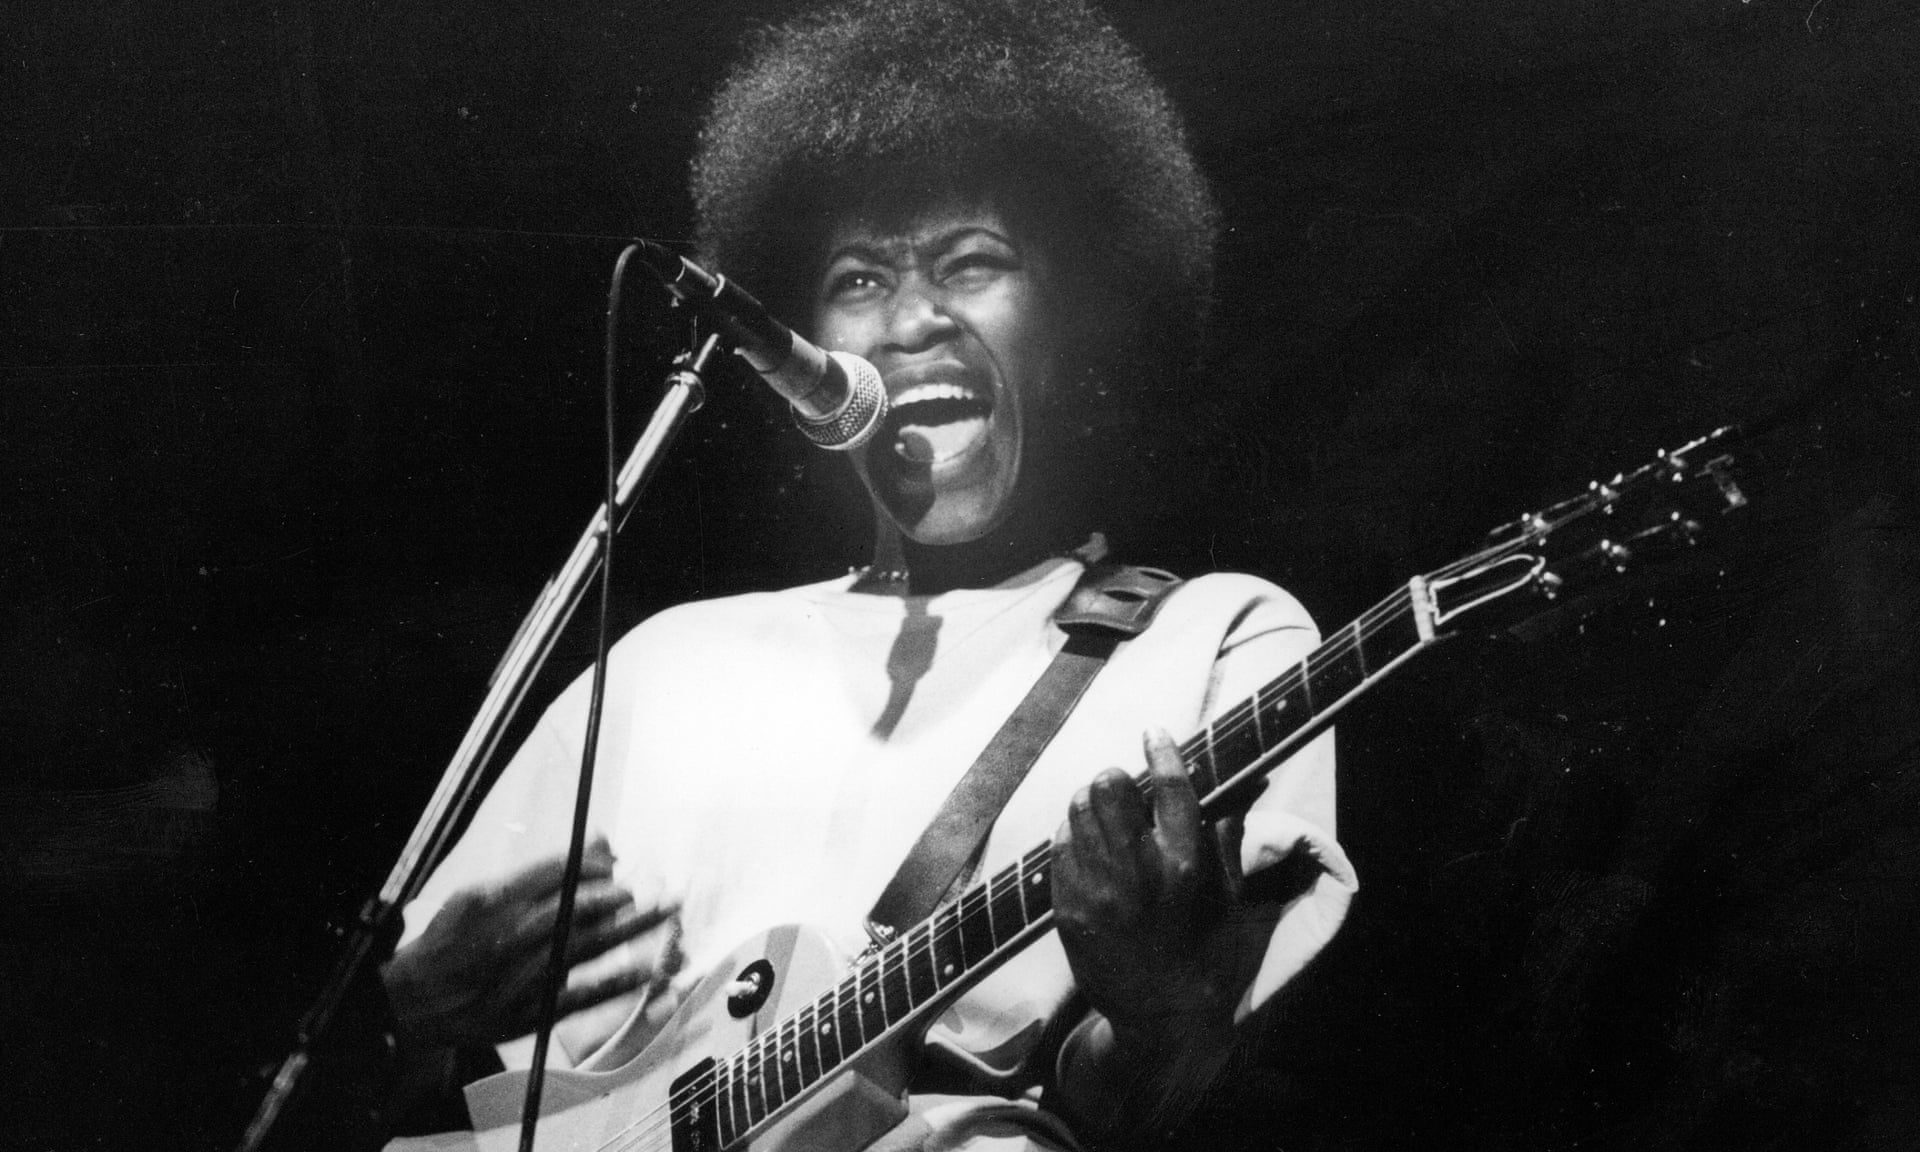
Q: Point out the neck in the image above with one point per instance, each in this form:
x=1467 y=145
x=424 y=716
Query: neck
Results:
x=1012 y=547
x=1053 y=513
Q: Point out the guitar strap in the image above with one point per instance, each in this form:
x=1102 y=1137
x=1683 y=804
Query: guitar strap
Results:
x=1111 y=603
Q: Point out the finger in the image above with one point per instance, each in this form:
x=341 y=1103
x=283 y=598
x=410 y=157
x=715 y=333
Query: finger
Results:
x=580 y=997
x=1068 y=881
x=594 y=901
x=1086 y=839
x=1126 y=828
x=1121 y=809
x=543 y=877
x=592 y=940
x=1176 y=810
x=1228 y=836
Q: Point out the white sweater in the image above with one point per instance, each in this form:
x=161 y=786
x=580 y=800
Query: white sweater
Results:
x=770 y=758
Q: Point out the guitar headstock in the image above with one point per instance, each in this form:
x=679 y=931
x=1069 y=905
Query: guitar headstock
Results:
x=1615 y=526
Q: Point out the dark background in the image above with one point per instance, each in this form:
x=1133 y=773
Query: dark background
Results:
x=299 y=347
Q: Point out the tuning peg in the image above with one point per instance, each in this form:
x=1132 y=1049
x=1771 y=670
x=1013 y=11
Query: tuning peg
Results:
x=1719 y=468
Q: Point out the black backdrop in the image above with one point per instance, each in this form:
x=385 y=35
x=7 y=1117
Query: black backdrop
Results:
x=299 y=329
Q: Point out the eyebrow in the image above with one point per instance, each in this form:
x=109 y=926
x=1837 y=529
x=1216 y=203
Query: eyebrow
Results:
x=881 y=253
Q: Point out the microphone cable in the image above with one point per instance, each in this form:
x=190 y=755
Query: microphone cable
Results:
x=576 y=845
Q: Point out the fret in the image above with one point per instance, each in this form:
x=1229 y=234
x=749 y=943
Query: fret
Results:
x=806 y=1047
x=1004 y=905
x=1376 y=646
x=917 y=960
x=1037 y=892
x=737 y=1109
x=755 y=1093
x=1276 y=704
x=1334 y=670
x=820 y=1035
x=766 y=1075
x=873 y=1008
x=949 y=957
x=1236 y=740
x=895 y=999
x=1205 y=768
x=727 y=1118
x=1258 y=709
x=975 y=925
x=846 y=997
x=787 y=1061
x=826 y=1028
x=1390 y=637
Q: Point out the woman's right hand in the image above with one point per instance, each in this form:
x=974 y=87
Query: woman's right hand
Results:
x=475 y=975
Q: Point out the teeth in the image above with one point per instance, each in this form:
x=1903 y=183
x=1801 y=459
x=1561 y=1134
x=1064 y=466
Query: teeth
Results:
x=923 y=392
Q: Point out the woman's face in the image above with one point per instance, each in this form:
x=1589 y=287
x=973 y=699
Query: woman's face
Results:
x=950 y=310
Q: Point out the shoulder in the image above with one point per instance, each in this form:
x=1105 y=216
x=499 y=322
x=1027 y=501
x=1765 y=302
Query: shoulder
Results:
x=1236 y=606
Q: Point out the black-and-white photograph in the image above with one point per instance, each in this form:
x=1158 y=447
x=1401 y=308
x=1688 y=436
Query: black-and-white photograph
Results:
x=960 y=576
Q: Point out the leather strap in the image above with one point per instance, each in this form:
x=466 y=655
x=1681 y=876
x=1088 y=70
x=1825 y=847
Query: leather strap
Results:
x=1111 y=603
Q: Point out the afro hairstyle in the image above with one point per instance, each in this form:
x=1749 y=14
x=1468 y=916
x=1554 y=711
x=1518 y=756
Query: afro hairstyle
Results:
x=880 y=108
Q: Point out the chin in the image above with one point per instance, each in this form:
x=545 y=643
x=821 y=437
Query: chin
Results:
x=952 y=510
x=948 y=526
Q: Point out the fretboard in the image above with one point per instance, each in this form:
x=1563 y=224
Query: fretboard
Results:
x=963 y=940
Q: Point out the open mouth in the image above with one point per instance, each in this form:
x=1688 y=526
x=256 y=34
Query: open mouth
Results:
x=930 y=424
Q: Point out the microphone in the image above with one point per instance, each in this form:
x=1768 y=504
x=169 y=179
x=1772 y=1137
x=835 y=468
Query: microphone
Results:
x=838 y=399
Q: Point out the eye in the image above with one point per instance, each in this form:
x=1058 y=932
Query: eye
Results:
x=976 y=269
x=852 y=285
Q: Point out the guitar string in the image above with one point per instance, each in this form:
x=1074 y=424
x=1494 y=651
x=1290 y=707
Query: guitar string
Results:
x=920 y=945
x=915 y=945
x=700 y=1092
x=1231 y=724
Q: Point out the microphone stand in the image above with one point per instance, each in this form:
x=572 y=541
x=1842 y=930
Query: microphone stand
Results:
x=459 y=790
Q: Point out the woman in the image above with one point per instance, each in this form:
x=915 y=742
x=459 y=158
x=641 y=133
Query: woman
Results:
x=994 y=205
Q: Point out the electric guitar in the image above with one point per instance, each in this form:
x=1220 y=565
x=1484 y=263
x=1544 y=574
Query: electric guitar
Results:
x=779 y=1045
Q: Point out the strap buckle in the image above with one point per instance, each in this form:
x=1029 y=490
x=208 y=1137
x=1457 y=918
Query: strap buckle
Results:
x=878 y=936
x=1121 y=600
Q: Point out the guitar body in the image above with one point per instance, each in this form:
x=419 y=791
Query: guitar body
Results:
x=619 y=1099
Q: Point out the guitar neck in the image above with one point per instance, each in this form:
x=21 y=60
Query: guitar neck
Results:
x=965 y=939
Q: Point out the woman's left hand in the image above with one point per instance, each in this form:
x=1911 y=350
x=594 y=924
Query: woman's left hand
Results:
x=1145 y=901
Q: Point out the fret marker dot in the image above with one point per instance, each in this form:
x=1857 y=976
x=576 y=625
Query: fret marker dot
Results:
x=948 y=970
x=1038 y=877
x=868 y=997
x=826 y=1029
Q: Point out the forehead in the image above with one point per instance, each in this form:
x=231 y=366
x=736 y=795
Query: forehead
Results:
x=924 y=232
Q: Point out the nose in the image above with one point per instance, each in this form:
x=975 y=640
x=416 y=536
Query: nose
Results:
x=919 y=319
